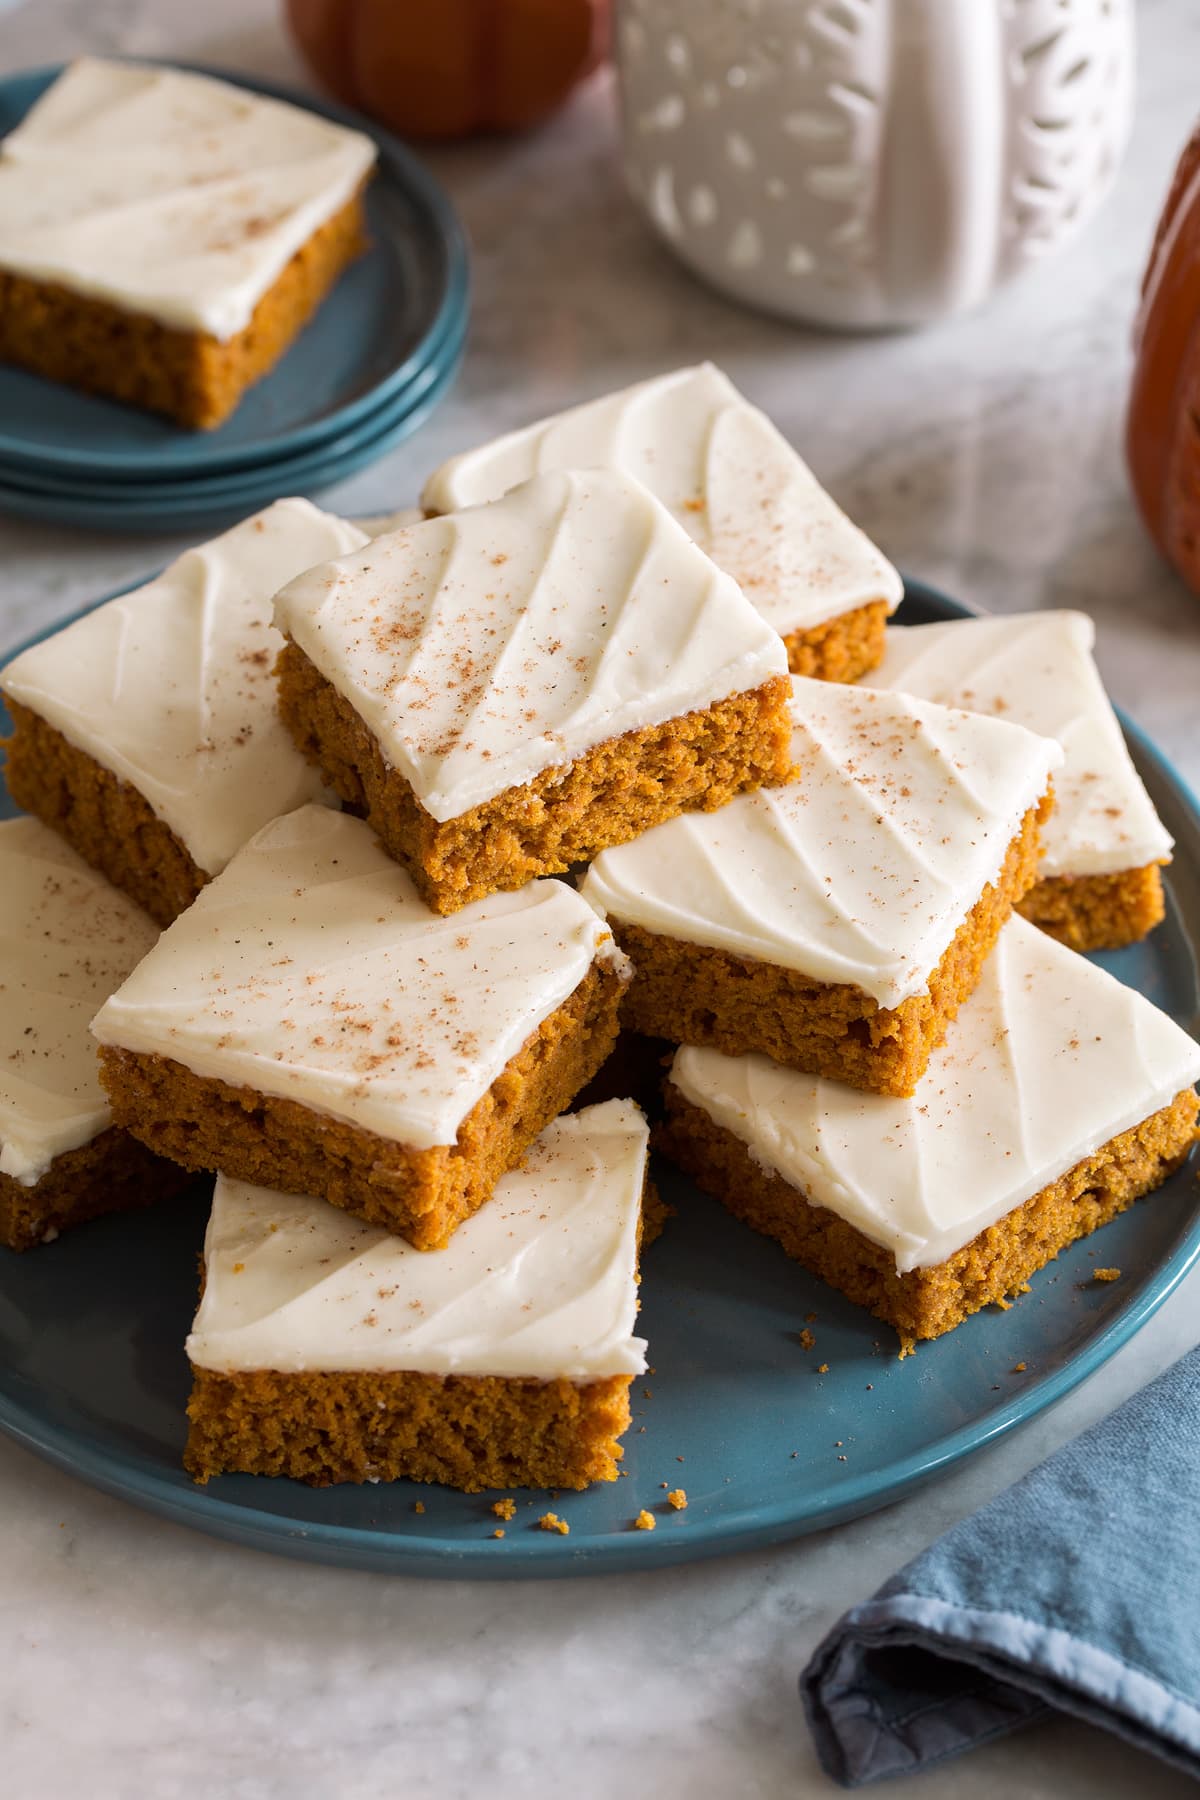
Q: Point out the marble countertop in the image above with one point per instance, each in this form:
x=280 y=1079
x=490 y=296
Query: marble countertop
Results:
x=141 y=1659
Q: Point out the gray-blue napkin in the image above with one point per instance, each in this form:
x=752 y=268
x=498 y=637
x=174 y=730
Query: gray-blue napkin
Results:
x=1076 y=1591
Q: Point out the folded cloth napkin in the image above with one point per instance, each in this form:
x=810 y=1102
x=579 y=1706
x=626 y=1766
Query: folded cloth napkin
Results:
x=1077 y=1591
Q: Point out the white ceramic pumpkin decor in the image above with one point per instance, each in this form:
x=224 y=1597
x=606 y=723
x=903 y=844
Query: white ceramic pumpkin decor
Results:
x=867 y=163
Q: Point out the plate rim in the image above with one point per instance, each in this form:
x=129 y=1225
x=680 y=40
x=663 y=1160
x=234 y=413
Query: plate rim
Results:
x=406 y=169
x=542 y=1555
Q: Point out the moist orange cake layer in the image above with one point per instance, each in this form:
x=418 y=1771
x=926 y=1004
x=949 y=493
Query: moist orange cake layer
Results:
x=110 y=824
x=564 y=815
x=842 y=648
x=692 y=994
x=421 y=1195
x=114 y=1173
x=1097 y=912
x=468 y=1431
x=996 y=1264
x=193 y=378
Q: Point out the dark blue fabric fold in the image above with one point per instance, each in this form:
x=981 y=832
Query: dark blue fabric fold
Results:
x=1077 y=1590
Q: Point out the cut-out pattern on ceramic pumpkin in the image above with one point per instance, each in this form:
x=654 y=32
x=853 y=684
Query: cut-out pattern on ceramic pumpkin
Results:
x=867 y=163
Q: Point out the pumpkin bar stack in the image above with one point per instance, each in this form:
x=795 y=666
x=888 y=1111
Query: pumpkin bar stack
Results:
x=369 y=1024
x=371 y=1034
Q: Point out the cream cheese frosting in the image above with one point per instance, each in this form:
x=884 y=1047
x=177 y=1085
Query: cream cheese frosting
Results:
x=486 y=646
x=1049 y=1059
x=1038 y=670
x=540 y=1283
x=312 y=970
x=169 y=194
x=171 y=687
x=861 y=871
x=728 y=476
x=67 y=939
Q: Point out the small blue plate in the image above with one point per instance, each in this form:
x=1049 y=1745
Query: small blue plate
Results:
x=204 y=507
x=93 y=1375
x=286 y=473
x=368 y=341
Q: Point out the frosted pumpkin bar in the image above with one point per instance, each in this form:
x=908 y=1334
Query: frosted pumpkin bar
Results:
x=1098 y=883
x=67 y=939
x=504 y=691
x=1058 y=1098
x=310 y=1026
x=836 y=924
x=736 y=486
x=164 y=236
x=147 y=732
x=329 y=1351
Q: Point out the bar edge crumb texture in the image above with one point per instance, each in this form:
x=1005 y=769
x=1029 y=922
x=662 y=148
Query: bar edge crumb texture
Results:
x=840 y=649
x=458 y=1430
x=994 y=1265
x=111 y=1173
x=106 y=819
x=564 y=814
x=1097 y=912
x=204 y=1123
x=692 y=994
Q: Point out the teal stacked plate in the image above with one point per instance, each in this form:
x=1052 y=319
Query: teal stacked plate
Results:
x=769 y=1439
x=379 y=355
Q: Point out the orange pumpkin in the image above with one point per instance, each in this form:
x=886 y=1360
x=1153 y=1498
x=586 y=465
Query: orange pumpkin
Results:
x=450 y=69
x=1162 y=439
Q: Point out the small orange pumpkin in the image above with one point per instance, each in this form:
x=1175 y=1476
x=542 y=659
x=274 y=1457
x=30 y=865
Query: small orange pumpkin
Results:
x=450 y=69
x=1162 y=440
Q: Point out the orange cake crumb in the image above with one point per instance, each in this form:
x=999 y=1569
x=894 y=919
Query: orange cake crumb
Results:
x=1097 y=912
x=843 y=648
x=645 y=1521
x=550 y=1521
x=504 y=1509
x=677 y=1498
x=1106 y=1274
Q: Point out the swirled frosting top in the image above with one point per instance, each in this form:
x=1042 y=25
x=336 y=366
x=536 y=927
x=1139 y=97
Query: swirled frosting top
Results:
x=540 y=1283
x=171 y=687
x=486 y=646
x=1049 y=1059
x=730 y=478
x=860 y=871
x=310 y=969
x=67 y=939
x=169 y=194
x=1038 y=670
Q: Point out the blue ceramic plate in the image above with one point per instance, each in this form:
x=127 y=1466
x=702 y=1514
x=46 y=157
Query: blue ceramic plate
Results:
x=70 y=485
x=93 y=1375
x=373 y=335
x=205 y=506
